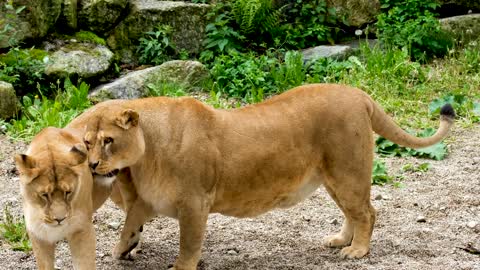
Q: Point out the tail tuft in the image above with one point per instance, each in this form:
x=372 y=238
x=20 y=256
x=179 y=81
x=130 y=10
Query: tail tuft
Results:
x=447 y=111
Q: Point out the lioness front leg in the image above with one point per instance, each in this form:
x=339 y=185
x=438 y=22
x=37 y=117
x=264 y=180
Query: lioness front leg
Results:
x=44 y=252
x=138 y=214
x=192 y=218
x=82 y=246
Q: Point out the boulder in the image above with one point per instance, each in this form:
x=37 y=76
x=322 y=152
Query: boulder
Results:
x=134 y=84
x=326 y=51
x=187 y=20
x=82 y=59
x=459 y=6
x=464 y=27
x=68 y=18
x=8 y=101
x=357 y=12
x=33 y=21
x=101 y=15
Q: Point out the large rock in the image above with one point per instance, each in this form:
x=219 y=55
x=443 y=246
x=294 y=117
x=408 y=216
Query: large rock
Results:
x=464 y=28
x=69 y=14
x=461 y=5
x=188 y=21
x=81 y=59
x=134 y=84
x=357 y=12
x=101 y=15
x=32 y=22
x=8 y=101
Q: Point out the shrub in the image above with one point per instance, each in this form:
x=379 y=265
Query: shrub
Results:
x=412 y=24
x=156 y=46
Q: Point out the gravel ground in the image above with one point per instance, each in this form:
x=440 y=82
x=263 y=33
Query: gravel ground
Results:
x=447 y=196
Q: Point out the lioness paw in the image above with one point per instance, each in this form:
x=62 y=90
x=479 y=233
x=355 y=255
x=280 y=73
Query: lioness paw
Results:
x=353 y=252
x=336 y=241
x=126 y=250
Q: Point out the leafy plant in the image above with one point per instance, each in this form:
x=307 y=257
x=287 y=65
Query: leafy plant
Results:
x=412 y=24
x=424 y=167
x=329 y=70
x=310 y=23
x=379 y=173
x=463 y=106
x=8 y=30
x=163 y=88
x=14 y=232
x=389 y=148
x=291 y=73
x=256 y=16
x=40 y=112
x=156 y=46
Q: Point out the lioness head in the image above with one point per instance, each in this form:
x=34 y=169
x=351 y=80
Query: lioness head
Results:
x=114 y=141
x=51 y=174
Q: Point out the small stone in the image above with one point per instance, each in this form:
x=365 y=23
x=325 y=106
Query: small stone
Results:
x=307 y=218
x=232 y=251
x=101 y=255
x=333 y=221
x=415 y=204
x=476 y=160
x=114 y=225
x=3 y=128
x=442 y=208
x=379 y=197
x=472 y=224
x=421 y=219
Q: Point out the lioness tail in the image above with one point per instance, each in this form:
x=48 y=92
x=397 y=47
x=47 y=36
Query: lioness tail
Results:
x=383 y=125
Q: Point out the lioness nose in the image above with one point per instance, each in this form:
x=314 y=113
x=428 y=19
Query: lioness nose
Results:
x=59 y=220
x=93 y=165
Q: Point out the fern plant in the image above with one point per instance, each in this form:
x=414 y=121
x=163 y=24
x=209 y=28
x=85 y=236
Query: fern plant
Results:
x=254 y=15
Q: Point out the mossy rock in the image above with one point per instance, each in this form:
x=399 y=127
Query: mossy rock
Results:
x=101 y=16
x=464 y=28
x=188 y=23
x=34 y=21
x=8 y=101
x=356 y=12
x=80 y=59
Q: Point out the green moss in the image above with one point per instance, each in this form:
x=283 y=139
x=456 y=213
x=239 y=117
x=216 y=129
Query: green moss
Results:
x=12 y=57
x=86 y=36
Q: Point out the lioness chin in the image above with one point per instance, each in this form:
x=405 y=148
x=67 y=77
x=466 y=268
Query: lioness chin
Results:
x=188 y=160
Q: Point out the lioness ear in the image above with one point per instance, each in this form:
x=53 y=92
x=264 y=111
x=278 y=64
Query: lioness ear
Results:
x=79 y=154
x=127 y=119
x=26 y=166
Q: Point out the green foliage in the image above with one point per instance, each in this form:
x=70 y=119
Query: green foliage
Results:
x=41 y=112
x=379 y=173
x=291 y=73
x=412 y=24
x=464 y=106
x=310 y=23
x=87 y=36
x=424 y=167
x=7 y=29
x=327 y=70
x=388 y=148
x=156 y=46
x=220 y=35
x=24 y=68
x=256 y=16
x=14 y=231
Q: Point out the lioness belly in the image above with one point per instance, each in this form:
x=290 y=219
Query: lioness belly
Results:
x=254 y=202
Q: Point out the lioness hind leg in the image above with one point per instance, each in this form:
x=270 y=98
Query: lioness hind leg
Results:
x=345 y=236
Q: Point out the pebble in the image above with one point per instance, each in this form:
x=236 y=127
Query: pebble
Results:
x=307 y=218
x=476 y=160
x=114 y=225
x=232 y=252
x=3 y=128
x=379 y=197
x=472 y=224
x=333 y=221
x=421 y=219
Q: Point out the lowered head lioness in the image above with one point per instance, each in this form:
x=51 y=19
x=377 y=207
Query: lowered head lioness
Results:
x=188 y=160
x=56 y=185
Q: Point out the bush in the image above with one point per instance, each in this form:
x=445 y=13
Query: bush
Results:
x=156 y=46
x=412 y=24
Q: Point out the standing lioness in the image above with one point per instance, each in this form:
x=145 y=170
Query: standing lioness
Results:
x=188 y=160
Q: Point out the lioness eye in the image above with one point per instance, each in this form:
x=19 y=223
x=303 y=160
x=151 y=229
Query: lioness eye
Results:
x=87 y=144
x=108 y=140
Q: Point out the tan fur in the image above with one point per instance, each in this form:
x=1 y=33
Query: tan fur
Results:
x=187 y=159
x=56 y=185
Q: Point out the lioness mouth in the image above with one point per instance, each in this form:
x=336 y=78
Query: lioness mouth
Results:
x=110 y=174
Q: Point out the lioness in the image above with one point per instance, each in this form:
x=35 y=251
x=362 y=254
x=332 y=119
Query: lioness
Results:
x=56 y=185
x=60 y=195
x=188 y=160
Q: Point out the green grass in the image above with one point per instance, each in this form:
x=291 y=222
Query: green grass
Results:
x=40 y=112
x=14 y=232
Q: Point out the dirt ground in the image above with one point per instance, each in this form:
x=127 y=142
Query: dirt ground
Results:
x=447 y=195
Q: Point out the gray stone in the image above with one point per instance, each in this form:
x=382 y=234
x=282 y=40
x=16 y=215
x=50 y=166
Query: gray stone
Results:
x=32 y=22
x=421 y=219
x=464 y=28
x=134 y=84
x=463 y=4
x=84 y=60
x=326 y=51
x=379 y=197
x=8 y=101
x=187 y=20
x=472 y=224
x=114 y=225
x=101 y=16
